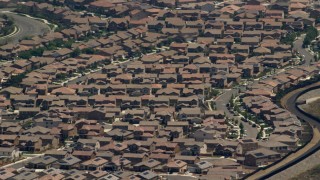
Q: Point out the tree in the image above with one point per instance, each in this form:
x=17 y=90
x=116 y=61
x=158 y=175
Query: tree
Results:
x=306 y=42
x=245 y=114
x=37 y=52
x=259 y=135
x=236 y=108
x=5 y=17
x=289 y=38
x=30 y=53
x=75 y=53
x=25 y=55
x=15 y=80
x=214 y=92
x=312 y=33
x=61 y=76
x=213 y=105
x=241 y=129
x=88 y=51
x=68 y=44
x=231 y=101
x=232 y=97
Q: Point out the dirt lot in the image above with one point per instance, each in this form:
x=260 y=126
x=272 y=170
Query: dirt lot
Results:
x=312 y=174
x=299 y=170
x=310 y=94
x=312 y=108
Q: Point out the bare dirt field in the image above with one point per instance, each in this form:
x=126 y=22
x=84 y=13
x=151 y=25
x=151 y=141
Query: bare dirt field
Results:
x=312 y=108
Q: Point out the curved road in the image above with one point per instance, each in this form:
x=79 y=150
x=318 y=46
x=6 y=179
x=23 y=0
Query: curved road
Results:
x=221 y=103
x=289 y=102
x=297 y=45
x=26 y=27
x=290 y=105
x=31 y=27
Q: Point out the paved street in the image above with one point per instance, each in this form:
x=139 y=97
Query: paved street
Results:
x=179 y=177
x=297 y=45
x=83 y=78
x=221 y=103
x=26 y=27
x=289 y=102
x=22 y=163
x=313 y=146
x=223 y=100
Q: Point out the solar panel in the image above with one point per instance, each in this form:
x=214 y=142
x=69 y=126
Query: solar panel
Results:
x=258 y=154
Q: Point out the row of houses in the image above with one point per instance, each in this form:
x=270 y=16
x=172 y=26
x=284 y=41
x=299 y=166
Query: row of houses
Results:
x=145 y=110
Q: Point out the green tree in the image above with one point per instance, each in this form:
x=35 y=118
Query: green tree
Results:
x=259 y=135
x=236 y=108
x=312 y=33
x=75 y=53
x=68 y=44
x=15 y=80
x=245 y=114
x=88 y=51
x=289 y=38
x=231 y=101
x=5 y=17
x=61 y=76
x=25 y=55
x=37 y=52
x=215 y=92
x=241 y=129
